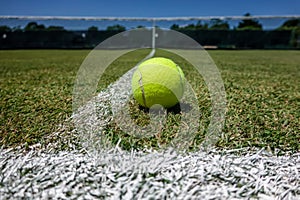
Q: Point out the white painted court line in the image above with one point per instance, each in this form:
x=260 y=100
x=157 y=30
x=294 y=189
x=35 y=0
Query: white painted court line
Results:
x=240 y=174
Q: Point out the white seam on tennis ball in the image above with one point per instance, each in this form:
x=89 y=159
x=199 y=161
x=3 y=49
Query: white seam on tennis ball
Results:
x=141 y=86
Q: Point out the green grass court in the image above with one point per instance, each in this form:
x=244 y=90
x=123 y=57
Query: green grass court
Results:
x=263 y=96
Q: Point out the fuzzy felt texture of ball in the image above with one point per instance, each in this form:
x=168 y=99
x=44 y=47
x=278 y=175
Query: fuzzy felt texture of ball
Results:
x=158 y=81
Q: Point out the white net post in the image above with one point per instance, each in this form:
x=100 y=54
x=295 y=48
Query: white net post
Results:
x=153 y=35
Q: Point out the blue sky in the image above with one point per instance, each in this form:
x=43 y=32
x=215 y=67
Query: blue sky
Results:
x=154 y=8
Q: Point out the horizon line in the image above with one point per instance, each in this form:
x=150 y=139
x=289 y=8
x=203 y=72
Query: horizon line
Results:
x=187 y=18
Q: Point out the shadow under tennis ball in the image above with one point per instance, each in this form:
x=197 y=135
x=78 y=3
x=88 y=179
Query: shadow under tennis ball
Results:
x=176 y=109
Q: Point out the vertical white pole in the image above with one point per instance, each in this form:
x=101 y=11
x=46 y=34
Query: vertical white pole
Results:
x=153 y=35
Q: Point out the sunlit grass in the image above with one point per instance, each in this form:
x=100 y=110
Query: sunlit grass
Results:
x=262 y=87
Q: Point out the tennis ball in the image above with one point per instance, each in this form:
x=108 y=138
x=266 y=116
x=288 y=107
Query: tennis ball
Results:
x=158 y=81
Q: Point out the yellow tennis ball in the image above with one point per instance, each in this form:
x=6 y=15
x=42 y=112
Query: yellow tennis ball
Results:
x=158 y=81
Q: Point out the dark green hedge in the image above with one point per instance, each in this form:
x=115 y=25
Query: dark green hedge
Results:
x=236 y=39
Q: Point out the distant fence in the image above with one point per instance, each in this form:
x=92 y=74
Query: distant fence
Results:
x=247 y=39
x=223 y=39
x=53 y=39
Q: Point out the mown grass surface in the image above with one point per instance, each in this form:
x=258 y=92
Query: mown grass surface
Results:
x=262 y=88
x=263 y=92
x=36 y=92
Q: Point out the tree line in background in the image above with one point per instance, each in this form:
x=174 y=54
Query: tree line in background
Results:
x=214 y=24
